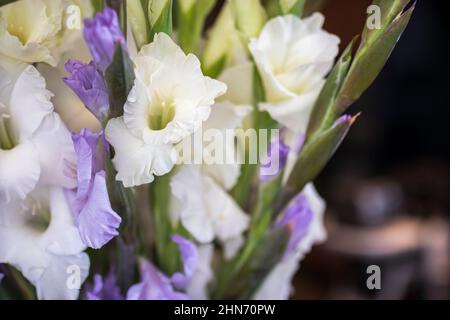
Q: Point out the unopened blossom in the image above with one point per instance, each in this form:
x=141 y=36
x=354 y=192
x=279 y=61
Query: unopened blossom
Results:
x=305 y=220
x=103 y=34
x=94 y=217
x=39 y=238
x=104 y=288
x=293 y=57
x=74 y=113
x=35 y=146
x=275 y=160
x=36 y=31
x=154 y=285
x=87 y=82
x=169 y=101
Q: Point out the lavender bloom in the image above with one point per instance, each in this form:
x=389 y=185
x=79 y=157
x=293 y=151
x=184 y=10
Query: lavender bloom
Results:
x=189 y=255
x=96 y=220
x=104 y=289
x=87 y=82
x=154 y=285
x=297 y=218
x=102 y=34
x=275 y=160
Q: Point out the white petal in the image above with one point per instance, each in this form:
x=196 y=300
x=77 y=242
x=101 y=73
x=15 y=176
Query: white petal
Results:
x=188 y=190
x=239 y=81
x=30 y=102
x=293 y=113
x=228 y=218
x=19 y=171
x=54 y=144
x=136 y=109
x=136 y=161
x=162 y=47
x=278 y=284
x=225 y=116
x=62 y=236
x=62 y=278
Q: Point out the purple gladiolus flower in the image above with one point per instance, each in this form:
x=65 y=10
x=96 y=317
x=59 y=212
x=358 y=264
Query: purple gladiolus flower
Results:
x=104 y=289
x=297 y=218
x=87 y=82
x=275 y=160
x=154 y=285
x=189 y=255
x=94 y=217
x=102 y=34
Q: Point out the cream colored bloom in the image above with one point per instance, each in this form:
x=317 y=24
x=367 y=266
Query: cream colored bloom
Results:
x=39 y=238
x=35 y=146
x=169 y=101
x=293 y=56
x=206 y=210
x=36 y=31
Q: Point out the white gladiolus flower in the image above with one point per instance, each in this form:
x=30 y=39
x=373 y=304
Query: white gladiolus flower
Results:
x=36 y=30
x=204 y=208
x=35 y=146
x=293 y=56
x=277 y=285
x=39 y=238
x=169 y=101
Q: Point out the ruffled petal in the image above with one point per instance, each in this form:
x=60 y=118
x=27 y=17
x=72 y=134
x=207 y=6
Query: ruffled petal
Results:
x=63 y=277
x=136 y=162
x=20 y=170
x=30 y=102
x=293 y=113
x=56 y=151
x=97 y=221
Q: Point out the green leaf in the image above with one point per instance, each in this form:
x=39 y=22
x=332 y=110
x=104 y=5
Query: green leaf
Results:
x=314 y=156
x=389 y=10
x=167 y=253
x=98 y=5
x=267 y=255
x=119 y=78
x=370 y=60
x=160 y=17
x=322 y=114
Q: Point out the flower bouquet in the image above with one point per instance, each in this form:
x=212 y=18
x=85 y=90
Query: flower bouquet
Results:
x=159 y=149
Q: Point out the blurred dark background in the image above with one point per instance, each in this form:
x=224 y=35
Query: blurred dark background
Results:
x=388 y=187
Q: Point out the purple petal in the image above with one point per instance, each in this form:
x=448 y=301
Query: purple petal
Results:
x=97 y=221
x=106 y=289
x=297 y=218
x=154 y=285
x=1 y=277
x=87 y=82
x=275 y=160
x=189 y=256
x=102 y=34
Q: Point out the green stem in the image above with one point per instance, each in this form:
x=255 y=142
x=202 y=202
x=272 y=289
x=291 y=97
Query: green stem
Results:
x=166 y=250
